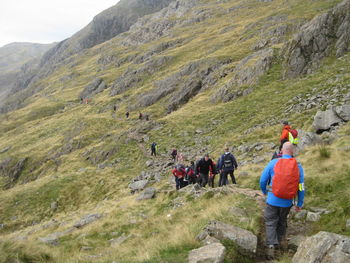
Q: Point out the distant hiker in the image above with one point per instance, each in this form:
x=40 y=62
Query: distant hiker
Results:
x=281 y=180
x=127 y=114
x=180 y=158
x=174 y=154
x=147 y=117
x=213 y=172
x=86 y=101
x=190 y=174
x=179 y=174
x=115 y=108
x=226 y=165
x=154 y=149
x=140 y=116
x=203 y=167
x=81 y=100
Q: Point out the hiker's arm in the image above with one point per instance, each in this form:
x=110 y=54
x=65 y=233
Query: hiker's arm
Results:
x=235 y=162
x=301 y=192
x=265 y=178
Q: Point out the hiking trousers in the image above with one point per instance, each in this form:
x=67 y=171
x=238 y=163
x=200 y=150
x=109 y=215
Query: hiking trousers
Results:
x=154 y=152
x=179 y=182
x=224 y=178
x=203 y=179
x=276 y=223
x=212 y=180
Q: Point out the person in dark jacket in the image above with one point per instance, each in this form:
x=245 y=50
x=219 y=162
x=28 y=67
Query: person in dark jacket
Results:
x=179 y=174
x=127 y=114
x=190 y=173
x=213 y=172
x=154 y=149
x=174 y=154
x=226 y=165
x=203 y=167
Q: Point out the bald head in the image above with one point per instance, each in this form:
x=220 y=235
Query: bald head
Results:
x=288 y=148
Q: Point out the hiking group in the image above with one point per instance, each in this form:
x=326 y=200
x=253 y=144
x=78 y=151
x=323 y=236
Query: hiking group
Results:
x=203 y=171
x=282 y=182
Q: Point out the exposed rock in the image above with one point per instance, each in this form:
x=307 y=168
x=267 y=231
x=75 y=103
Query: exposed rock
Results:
x=88 y=219
x=97 y=86
x=139 y=185
x=325 y=120
x=316 y=39
x=117 y=241
x=295 y=241
x=245 y=240
x=209 y=240
x=347 y=224
x=212 y=253
x=313 y=217
x=149 y=163
x=52 y=239
x=247 y=73
x=301 y=215
x=5 y=149
x=12 y=169
x=319 y=210
x=149 y=193
x=323 y=247
x=307 y=139
x=54 y=206
x=343 y=112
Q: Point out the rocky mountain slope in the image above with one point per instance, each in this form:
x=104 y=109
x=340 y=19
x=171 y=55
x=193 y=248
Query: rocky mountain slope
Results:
x=78 y=182
x=13 y=57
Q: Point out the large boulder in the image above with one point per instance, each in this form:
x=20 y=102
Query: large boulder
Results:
x=324 y=247
x=343 y=112
x=324 y=120
x=149 y=193
x=212 y=253
x=139 y=185
x=244 y=239
x=308 y=139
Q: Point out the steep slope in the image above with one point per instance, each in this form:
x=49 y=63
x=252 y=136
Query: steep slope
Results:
x=208 y=73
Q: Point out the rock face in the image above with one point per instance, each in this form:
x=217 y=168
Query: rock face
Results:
x=325 y=120
x=316 y=39
x=307 y=139
x=149 y=193
x=247 y=72
x=324 y=247
x=97 y=86
x=245 y=240
x=11 y=170
x=212 y=253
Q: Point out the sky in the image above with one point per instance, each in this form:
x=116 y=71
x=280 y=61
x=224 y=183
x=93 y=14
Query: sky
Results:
x=46 y=21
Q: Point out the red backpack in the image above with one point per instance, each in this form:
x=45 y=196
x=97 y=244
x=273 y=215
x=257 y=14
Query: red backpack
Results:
x=285 y=182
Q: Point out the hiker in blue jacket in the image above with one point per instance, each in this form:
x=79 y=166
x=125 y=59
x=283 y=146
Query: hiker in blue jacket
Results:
x=226 y=165
x=289 y=182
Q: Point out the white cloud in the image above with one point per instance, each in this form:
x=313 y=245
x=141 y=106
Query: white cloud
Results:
x=46 y=21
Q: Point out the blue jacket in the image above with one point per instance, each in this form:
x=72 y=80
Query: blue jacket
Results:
x=266 y=179
x=220 y=164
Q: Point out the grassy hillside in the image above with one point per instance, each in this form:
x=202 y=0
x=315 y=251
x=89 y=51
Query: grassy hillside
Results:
x=84 y=156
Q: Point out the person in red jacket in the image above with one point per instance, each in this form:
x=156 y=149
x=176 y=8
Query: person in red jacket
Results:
x=285 y=133
x=179 y=173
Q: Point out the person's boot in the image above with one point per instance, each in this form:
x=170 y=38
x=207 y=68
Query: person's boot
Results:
x=270 y=252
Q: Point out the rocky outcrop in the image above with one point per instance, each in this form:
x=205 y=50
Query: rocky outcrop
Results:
x=244 y=239
x=149 y=193
x=132 y=77
x=212 y=253
x=138 y=185
x=316 y=40
x=88 y=219
x=307 y=139
x=97 y=86
x=11 y=169
x=184 y=84
x=323 y=247
x=326 y=120
x=246 y=73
